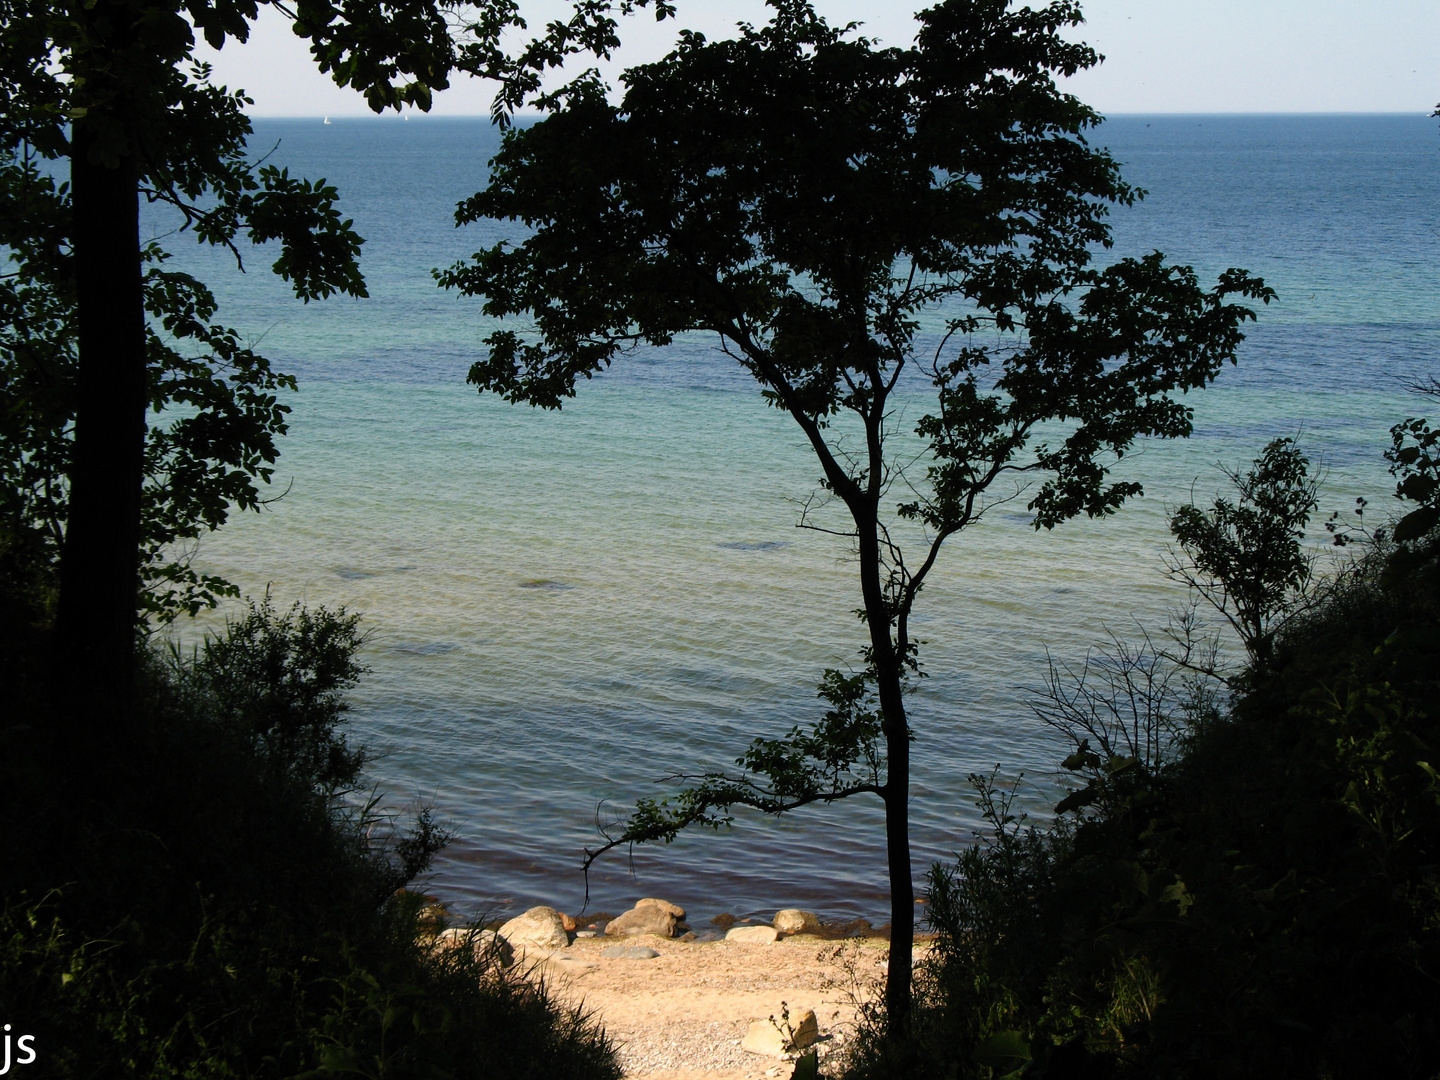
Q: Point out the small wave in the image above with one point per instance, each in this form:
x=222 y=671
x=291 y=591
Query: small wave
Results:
x=354 y=575
x=754 y=545
x=545 y=583
x=433 y=648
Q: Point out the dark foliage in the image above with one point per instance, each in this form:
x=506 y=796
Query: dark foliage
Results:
x=1263 y=903
x=216 y=412
x=216 y=906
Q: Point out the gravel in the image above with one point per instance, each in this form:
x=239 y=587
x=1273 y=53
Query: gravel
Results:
x=685 y=1044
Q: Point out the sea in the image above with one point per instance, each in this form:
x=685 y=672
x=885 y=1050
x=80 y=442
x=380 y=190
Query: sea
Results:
x=566 y=610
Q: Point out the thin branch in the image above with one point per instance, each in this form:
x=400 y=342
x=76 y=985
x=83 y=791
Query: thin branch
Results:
x=762 y=801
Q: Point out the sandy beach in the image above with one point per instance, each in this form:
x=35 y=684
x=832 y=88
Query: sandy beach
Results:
x=683 y=1014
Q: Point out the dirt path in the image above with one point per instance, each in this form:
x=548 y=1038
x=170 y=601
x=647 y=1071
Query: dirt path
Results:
x=683 y=1014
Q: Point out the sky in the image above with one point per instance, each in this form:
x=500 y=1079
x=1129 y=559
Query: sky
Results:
x=1161 y=56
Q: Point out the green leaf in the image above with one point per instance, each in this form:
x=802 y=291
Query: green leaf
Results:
x=1077 y=800
x=1416 y=524
x=1002 y=1048
x=1179 y=896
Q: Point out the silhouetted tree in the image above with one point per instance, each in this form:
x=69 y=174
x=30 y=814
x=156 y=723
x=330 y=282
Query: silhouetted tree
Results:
x=111 y=88
x=858 y=225
x=1243 y=555
x=197 y=465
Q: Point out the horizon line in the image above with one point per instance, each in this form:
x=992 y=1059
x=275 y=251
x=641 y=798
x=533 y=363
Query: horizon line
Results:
x=392 y=114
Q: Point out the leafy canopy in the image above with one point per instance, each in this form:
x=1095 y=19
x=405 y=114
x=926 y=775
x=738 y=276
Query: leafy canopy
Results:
x=121 y=73
x=214 y=402
x=806 y=196
x=854 y=223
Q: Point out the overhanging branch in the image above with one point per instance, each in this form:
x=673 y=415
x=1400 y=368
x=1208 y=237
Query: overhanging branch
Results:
x=710 y=805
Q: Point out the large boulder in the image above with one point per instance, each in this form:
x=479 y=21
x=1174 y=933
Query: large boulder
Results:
x=753 y=935
x=648 y=916
x=795 y=921
x=769 y=1037
x=539 y=928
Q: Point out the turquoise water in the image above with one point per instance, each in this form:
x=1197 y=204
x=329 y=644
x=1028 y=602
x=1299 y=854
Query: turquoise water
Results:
x=567 y=608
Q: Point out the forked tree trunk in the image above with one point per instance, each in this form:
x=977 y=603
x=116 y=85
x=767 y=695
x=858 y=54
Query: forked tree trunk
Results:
x=99 y=565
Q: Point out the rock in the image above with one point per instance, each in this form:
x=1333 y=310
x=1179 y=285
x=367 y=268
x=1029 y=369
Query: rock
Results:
x=538 y=928
x=488 y=945
x=765 y=1037
x=563 y=964
x=755 y=935
x=629 y=952
x=586 y=933
x=663 y=905
x=795 y=921
x=649 y=916
x=448 y=939
x=433 y=917
x=543 y=964
x=568 y=922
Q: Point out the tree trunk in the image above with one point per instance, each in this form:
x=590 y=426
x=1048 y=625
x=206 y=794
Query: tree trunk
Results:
x=897 y=854
x=888 y=664
x=99 y=565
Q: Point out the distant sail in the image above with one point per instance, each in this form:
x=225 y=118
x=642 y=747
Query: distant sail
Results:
x=327 y=119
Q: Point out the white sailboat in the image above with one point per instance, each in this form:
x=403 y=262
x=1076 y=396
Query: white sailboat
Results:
x=327 y=119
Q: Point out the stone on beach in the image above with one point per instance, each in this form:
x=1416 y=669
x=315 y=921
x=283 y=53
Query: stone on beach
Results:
x=550 y=965
x=648 y=916
x=755 y=935
x=488 y=945
x=539 y=928
x=765 y=1037
x=628 y=952
x=795 y=921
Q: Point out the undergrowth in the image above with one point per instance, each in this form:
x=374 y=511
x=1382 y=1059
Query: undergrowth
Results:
x=222 y=899
x=1242 y=881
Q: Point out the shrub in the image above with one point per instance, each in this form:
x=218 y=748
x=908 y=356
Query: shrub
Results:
x=218 y=905
x=1258 y=895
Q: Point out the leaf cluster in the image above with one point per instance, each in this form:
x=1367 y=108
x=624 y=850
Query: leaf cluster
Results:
x=819 y=204
x=214 y=402
x=1414 y=457
x=1243 y=556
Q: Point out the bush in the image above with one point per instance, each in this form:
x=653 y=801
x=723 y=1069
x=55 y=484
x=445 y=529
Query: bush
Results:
x=1262 y=898
x=218 y=905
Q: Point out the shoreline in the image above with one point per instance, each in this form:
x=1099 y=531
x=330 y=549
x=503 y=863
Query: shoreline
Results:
x=717 y=1002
